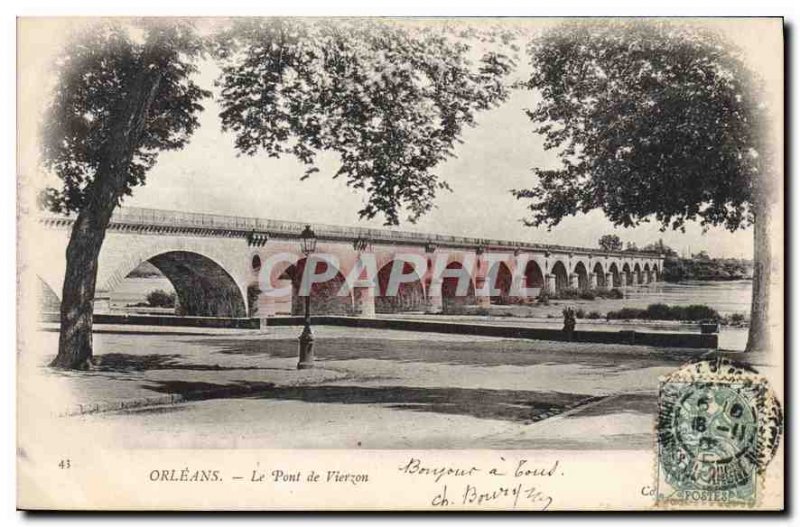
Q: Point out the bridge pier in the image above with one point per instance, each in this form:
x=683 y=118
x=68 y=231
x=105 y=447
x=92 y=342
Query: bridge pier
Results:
x=481 y=299
x=550 y=284
x=434 y=302
x=364 y=300
x=609 y=281
x=592 y=281
x=574 y=281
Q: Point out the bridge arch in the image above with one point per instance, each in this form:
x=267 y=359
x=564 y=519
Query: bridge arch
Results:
x=325 y=297
x=637 y=273
x=450 y=298
x=49 y=300
x=627 y=273
x=203 y=287
x=534 y=277
x=582 y=273
x=205 y=283
x=599 y=275
x=616 y=275
x=410 y=296
x=559 y=271
x=499 y=278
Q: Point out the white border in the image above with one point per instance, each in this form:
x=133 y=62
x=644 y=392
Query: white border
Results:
x=10 y=11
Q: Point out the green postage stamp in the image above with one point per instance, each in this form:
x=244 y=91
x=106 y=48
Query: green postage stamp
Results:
x=719 y=425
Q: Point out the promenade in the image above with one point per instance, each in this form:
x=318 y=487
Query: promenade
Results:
x=370 y=389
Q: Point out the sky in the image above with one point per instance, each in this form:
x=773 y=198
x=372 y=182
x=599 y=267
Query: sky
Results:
x=496 y=156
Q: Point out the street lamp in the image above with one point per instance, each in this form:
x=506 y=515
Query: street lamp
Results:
x=308 y=244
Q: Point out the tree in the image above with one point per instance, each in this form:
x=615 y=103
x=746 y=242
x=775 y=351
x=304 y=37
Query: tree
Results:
x=660 y=247
x=390 y=99
x=124 y=95
x=653 y=121
x=610 y=242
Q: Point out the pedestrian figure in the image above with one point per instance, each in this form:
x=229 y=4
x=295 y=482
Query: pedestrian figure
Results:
x=569 y=322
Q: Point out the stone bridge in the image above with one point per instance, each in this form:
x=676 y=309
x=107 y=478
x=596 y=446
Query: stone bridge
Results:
x=214 y=263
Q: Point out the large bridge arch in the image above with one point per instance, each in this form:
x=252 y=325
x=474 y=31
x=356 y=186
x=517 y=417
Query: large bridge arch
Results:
x=408 y=296
x=325 y=297
x=203 y=287
x=451 y=297
x=206 y=282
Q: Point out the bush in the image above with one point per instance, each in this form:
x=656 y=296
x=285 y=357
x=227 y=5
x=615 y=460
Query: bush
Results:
x=616 y=294
x=698 y=312
x=568 y=293
x=608 y=293
x=626 y=313
x=544 y=299
x=593 y=315
x=580 y=313
x=736 y=319
x=160 y=298
x=693 y=313
x=660 y=312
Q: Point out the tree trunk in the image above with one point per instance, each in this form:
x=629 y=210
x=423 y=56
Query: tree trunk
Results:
x=88 y=232
x=758 y=338
x=77 y=299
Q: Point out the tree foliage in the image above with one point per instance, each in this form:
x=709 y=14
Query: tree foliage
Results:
x=660 y=247
x=651 y=120
x=610 y=242
x=390 y=99
x=97 y=73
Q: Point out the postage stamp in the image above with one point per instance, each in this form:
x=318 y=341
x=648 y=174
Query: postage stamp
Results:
x=718 y=426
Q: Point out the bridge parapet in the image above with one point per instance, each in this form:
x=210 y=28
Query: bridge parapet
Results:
x=158 y=221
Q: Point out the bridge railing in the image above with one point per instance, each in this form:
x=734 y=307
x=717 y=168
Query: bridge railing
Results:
x=291 y=229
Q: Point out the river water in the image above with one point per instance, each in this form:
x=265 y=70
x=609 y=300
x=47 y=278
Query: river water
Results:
x=726 y=297
x=135 y=290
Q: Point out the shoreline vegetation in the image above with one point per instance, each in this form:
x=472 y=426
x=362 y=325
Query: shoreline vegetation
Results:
x=695 y=313
x=701 y=267
x=677 y=268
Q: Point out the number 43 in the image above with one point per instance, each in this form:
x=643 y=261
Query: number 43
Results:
x=63 y=464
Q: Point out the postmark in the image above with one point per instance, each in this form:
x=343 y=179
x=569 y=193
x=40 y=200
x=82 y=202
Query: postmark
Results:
x=718 y=427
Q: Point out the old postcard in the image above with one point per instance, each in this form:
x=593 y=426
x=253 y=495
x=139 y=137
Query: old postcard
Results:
x=400 y=264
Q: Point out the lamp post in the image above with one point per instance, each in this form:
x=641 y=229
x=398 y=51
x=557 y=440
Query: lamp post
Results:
x=308 y=244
